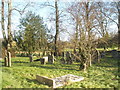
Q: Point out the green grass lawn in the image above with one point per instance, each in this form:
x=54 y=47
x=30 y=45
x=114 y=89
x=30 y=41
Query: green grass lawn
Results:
x=22 y=74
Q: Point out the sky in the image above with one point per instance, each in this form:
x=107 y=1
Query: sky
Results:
x=43 y=12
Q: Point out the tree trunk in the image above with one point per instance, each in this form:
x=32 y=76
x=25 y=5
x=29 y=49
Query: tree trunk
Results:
x=9 y=22
x=118 y=25
x=9 y=45
x=2 y=21
x=3 y=32
x=57 y=27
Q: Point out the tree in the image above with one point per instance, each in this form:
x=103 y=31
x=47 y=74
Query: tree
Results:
x=57 y=27
x=7 y=37
x=33 y=33
x=114 y=11
x=84 y=15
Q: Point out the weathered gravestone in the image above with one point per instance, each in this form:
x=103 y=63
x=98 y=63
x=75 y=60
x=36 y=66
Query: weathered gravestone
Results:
x=68 y=58
x=6 y=61
x=62 y=60
x=63 y=54
x=44 y=60
x=59 y=81
x=31 y=58
x=51 y=59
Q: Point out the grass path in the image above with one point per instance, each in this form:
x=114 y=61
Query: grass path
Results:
x=22 y=74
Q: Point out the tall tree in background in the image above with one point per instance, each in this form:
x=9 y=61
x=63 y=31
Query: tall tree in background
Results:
x=118 y=7
x=57 y=22
x=74 y=11
x=84 y=16
x=33 y=32
x=113 y=14
x=7 y=37
x=103 y=23
x=57 y=26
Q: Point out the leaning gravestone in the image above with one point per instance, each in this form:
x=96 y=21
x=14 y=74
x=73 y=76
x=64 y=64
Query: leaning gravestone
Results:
x=59 y=81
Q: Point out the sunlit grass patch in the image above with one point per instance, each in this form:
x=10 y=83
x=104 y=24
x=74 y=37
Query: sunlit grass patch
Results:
x=23 y=73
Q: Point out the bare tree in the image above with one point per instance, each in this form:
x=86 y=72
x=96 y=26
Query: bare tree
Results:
x=57 y=26
x=114 y=10
x=8 y=37
x=84 y=15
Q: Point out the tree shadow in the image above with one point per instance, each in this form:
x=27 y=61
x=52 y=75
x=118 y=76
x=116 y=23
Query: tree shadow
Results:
x=52 y=67
x=19 y=62
x=32 y=81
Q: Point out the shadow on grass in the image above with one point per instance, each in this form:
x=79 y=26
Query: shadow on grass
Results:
x=35 y=82
x=53 y=67
x=32 y=80
x=108 y=62
x=20 y=62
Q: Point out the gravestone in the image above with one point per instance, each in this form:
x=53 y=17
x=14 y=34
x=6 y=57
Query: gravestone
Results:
x=6 y=61
x=45 y=80
x=31 y=58
x=50 y=59
x=59 y=81
x=67 y=57
x=44 y=60
x=63 y=54
x=62 y=60
x=9 y=59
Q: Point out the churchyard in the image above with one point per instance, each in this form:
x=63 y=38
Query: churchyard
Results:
x=22 y=73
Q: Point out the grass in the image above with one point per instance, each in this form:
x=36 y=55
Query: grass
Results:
x=22 y=74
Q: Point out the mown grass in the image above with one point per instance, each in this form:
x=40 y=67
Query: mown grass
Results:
x=22 y=74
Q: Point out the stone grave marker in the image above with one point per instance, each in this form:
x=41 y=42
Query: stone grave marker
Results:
x=59 y=81
x=31 y=58
x=44 y=60
x=68 y=57
x=51 y=59
x=6 y=61
x=62 y=60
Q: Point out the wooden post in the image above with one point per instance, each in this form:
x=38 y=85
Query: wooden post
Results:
x=9 y=59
